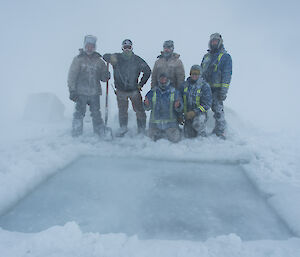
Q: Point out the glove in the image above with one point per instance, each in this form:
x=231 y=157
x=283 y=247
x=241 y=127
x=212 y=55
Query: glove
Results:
x=180 y=120
x=177 y=104
x=106 y=57
x=111 y=58
x=222 y=97
x=190 y=115
x=73 y=96
x=140 y=86
x=107 y=76
x=146 y=101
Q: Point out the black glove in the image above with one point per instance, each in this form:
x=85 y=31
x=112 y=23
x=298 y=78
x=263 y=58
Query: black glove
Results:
x=222 y=93
x=140 y=86
x=106 y=57
x=180 y=120
x=222 y=97
x=73 y=96
x=107 y=76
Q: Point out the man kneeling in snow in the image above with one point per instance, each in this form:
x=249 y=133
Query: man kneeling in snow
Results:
x=197 y=100
x=165 y=103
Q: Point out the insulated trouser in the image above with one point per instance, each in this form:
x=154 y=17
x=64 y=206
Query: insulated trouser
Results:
x=136 y=100
x=218 y=109
x=80 y=109
x=172 y=134
x=195 y=127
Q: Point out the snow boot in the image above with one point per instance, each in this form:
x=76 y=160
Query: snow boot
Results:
x=141 y=131
x=77 y=127
x=121 y=131
x=219 y=134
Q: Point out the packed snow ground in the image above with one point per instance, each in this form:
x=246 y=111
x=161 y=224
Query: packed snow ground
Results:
x=43 y=149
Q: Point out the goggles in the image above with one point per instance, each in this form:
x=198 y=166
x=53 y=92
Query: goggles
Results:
x=127 y=47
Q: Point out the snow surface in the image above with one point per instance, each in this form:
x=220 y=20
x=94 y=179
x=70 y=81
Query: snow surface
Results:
x=30 y=156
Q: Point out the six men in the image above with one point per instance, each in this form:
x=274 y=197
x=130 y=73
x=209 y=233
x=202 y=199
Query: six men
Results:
x=172 y=99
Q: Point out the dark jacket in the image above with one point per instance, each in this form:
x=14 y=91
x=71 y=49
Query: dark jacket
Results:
x=161 y=103
x=85 y=74
x=127 y=70
x=196 y=96
x=216 y=69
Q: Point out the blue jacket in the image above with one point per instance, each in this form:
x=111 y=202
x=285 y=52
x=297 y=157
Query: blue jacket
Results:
x=216 y=69
x=161 y=103
x=196 y=96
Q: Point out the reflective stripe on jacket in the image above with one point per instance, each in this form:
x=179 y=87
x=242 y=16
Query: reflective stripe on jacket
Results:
x=216 y=69
x=161 y=103
x=196 y=96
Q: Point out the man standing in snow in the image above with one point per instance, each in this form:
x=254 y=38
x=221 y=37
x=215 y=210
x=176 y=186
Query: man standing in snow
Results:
x=165 y=103
x=127 y=68
x=168 y=62
x=197 y=99
x=85 y=73
x=216 y=69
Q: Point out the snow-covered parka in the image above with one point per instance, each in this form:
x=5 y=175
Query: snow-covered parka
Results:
x=85 y=74
x=127 y=69
x=216 y=69
x=196 y=96
x=161 y=103
x=172 y=66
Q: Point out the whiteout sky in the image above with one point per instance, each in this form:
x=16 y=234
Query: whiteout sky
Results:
x=40 y=38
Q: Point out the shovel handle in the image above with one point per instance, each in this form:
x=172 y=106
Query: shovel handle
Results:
x=106 y=98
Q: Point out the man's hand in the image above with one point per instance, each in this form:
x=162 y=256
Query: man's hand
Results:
x=110 y=58
x=140 y=86
x=106 y=57
x=107 y=76
x=177 y=104
x=146 y=101
x=222 y=97
x=73 y=96
x=180 y=120
x=190 y=115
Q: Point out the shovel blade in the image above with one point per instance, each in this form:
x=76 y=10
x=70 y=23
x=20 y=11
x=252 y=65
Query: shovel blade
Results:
x=108 y=135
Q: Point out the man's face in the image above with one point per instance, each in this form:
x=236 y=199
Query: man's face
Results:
x=214 y=43
x=89 y=48
x=163 y=80
x=195 y=76
x=127 y=48
x=168 y=50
